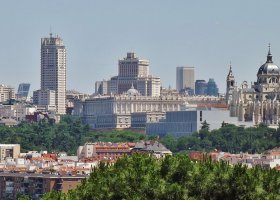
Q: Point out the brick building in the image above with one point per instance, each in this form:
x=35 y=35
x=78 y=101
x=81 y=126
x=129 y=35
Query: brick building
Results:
x=104 y=150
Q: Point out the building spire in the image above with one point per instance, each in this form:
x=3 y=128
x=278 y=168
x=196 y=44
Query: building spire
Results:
x=132 y=86
x=269 y=55
x=230 y=70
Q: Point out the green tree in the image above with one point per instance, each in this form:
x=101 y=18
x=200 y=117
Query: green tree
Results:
x=204 y=125
x=141 y=176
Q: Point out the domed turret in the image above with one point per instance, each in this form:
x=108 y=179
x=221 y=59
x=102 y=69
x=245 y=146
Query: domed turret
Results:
x=268 y=79
x=132 y=91
x=269 y=67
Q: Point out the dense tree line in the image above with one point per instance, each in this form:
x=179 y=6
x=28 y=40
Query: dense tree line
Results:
x=70 y=133
x=64 y=136
x=175 y=177
x=228 y=138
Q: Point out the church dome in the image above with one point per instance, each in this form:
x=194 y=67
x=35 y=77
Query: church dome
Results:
x=132 y=91
x=269 y=67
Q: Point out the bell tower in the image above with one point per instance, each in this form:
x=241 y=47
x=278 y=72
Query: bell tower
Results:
x=230 y=85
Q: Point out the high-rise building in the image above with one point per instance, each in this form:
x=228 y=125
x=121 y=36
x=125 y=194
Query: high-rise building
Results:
x=102 y=87
x=45 y=98
x=212 y=89
x=132 y=66
x=53 y=69
x=23 y=90
x=6 y=93
x=184 y=78
x=201 y=87
x=132 y=71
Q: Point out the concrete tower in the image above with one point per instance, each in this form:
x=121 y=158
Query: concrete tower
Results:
x=133 y=67
x=53 y=69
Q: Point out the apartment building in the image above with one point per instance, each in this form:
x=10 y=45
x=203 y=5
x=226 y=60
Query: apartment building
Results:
x=6 y=93
x=9 y=151
x=35 y=185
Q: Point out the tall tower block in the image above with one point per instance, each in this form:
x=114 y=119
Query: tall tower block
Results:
x=53 y=69
x=185 y=78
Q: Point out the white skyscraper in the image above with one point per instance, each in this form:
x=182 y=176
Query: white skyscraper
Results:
x=185 y=78
x=53 y=69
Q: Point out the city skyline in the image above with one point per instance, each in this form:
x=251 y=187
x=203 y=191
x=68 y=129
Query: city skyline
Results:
x=205 y=35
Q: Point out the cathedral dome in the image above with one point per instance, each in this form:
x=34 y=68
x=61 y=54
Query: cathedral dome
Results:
x=132 y=91
x=269 y=67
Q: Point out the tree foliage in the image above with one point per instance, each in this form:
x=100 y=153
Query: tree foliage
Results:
x=175 y=177
x=205 y=125
x=228 y=138
x=64 y=136
x=70 y=133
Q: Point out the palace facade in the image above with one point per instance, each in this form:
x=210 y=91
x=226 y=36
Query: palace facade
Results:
x=119 y=111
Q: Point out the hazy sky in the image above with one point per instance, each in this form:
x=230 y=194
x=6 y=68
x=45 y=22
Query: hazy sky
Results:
x=204 y=34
